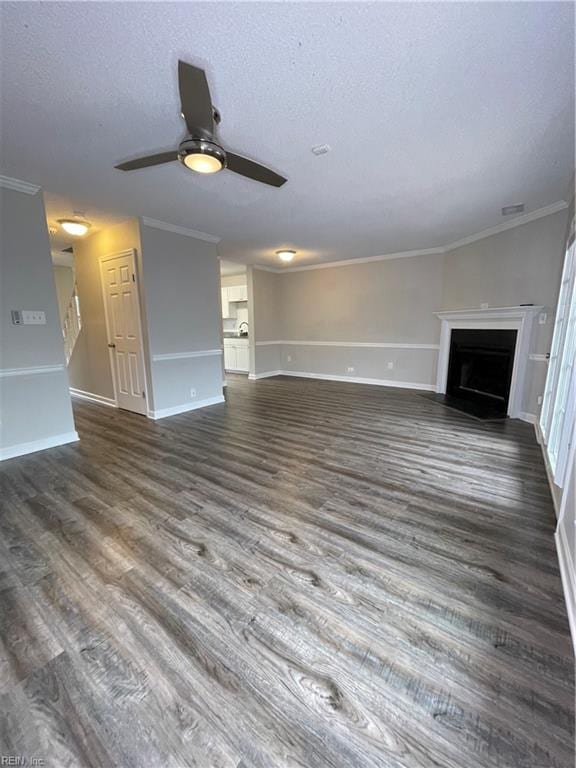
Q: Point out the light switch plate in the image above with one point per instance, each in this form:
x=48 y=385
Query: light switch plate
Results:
x=33 y=317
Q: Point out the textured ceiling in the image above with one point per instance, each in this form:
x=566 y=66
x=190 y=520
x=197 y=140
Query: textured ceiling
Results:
x=438 y=114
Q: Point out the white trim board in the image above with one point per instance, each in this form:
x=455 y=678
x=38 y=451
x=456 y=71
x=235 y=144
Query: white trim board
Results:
x=18 y=185
x=22 y=449
x=185 y=407
x=93 y=398
x=517 y=221
x=265 y=375
x=365 y=344
x=349 y=379
x=186 y=355
x=568 y=579
x=167 y=227
x=40 y=370
x=555 y=491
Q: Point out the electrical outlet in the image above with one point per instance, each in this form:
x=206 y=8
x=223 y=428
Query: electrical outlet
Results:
x=192 y=393
x=350 y=369
x=289 y=358
x=390 y=365
x=484 y=305
x=540 y=399
x=33 y=317
x=542 y=317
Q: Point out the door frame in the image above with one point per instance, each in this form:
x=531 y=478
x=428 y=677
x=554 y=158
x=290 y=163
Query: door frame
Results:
x=131 y=253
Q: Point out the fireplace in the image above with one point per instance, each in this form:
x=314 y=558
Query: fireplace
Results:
x=519 y=319
x=480 y=370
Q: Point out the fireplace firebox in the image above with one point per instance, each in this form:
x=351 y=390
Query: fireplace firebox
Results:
x=480 y=370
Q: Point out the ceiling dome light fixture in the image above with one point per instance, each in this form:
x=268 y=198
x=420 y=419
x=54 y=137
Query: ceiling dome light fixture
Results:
x=75 y=227
x=285 y=255
x=202 y=156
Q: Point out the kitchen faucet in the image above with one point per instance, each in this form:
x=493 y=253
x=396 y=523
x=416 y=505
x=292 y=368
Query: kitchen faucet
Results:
x=240 y=331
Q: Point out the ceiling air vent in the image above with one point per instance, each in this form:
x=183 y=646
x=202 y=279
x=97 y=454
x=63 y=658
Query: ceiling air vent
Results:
x=509 y=210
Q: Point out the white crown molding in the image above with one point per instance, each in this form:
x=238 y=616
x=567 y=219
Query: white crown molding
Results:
x=6 y=372
x=366 y=344
x=186 y=355
x=518 y=221
x=195 y=233
x=18 y=185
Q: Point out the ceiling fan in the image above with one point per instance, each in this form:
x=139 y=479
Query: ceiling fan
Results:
x=200 y=151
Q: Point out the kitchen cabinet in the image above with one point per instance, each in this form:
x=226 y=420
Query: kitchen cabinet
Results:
x=225 y=305
x=231 y=295
x=236 y=355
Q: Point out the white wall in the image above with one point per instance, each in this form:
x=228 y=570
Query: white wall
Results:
x=35 y=407
x=181 y=281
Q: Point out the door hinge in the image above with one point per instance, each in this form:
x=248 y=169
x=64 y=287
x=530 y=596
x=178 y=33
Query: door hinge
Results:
x=133 y=277
x=143 y=394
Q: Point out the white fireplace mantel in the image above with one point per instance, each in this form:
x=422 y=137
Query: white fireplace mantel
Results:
x=519 y=319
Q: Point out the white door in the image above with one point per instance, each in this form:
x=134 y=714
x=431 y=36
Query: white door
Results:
x=124 y=332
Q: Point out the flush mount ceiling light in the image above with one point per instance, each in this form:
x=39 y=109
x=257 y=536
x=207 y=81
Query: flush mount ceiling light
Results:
x=75 y=227
x=285 y=255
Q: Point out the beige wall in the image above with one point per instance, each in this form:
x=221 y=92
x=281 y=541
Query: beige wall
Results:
x=89 y=367
x=520 y=266
x=393 y=302
x=64 y=282
x=390 y=301
x=35 y=408
x=265 y=321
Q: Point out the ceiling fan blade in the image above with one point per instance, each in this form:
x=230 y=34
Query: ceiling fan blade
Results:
x=145 y=162
x=196 y=101
x=253 y=170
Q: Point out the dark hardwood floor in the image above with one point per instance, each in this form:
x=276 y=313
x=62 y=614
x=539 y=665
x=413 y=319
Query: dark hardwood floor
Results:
x=314 y=574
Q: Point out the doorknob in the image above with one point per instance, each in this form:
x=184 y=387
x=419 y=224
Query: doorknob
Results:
x=112 y=346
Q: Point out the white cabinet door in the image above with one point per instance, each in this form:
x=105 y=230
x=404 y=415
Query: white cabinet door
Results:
x=229 y=357
x=225 y=307
x=242 y=293
x=242 y=358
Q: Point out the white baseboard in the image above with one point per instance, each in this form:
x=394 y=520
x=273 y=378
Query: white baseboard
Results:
x=531 y=418
x=92 y=398
x=358 y=380
x=21 y=449
x=265 y=375
x=184 y=407
x=568 y=579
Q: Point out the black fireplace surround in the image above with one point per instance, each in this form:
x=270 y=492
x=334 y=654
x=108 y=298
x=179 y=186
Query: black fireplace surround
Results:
x=480 y=371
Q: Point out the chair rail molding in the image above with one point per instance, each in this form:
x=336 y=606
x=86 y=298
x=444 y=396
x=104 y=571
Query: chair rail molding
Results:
x=497 y=318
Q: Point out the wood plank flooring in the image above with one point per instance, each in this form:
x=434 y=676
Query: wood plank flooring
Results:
x=312 y=575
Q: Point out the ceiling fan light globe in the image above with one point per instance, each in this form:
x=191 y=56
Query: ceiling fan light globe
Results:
x=202 y=156
x=202 y=163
